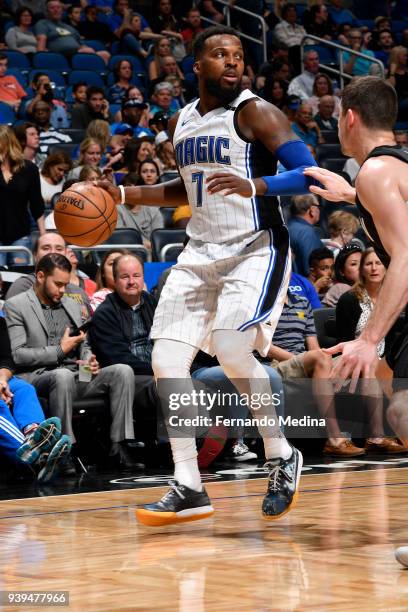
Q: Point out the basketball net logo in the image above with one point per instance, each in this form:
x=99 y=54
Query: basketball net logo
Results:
x=65 y=201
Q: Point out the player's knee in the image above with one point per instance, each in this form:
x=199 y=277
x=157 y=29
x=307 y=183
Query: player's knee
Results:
x=169 y=360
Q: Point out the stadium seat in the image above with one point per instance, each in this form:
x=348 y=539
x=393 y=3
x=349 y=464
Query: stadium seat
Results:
x=67 y=147
x=87 y=61
x=335 y=164
x=114 y=108
x=326 y=56
x=167 y=214
x=137 y=79
x=122 y=236
x=163 y=237
x=330 y=136
x=7 y=114
x=21 y=78
x=51 y=61
x=168 y=175
x=95 y=44
x=77 y=136
x=55 y=77
x=328 y=150
x=16 y=59
x=89 y=77
x=323 y=329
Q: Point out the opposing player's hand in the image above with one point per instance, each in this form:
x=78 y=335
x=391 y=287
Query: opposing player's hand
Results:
x=358 y=359
x=228 y=184
x=111 y=189
x=336 y=188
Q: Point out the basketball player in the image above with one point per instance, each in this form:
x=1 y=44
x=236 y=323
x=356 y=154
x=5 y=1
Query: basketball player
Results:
x=226 y=293
x=366 y=122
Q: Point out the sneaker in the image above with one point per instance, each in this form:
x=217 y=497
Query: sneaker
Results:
x=282 y=493
x=55 y=459
x=179 y=505
x=240 y=452
x=401 y=555
x=44 y=437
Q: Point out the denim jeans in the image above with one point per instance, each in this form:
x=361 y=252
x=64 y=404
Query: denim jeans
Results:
x=19 y=257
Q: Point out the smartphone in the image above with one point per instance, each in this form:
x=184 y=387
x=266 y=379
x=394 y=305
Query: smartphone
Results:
x=75 y=331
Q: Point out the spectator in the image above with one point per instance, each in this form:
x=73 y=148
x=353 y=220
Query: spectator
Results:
x=79 y=278
x=357 y=66
x=193 y=26
x=321 y=266
x=90 y=153
x=325 y=119
x=398 y=78
x=21 y=37
x=305 y=213
x=11 y=92
x=162 y=48
x=323 y=86
x=95 y=107
x=79 y=93
x=212 y=10
x=144 y=219
x=74 y=17
x=342 y=227
x=162 y=99
x=93 y=29
x=385 y=45
x=302 y=85
x=41 y=116
x=320 y=23
x=339 y=14
x=20 y=195
x=136 y=151
x=50 y=242
x=55 y=35
x=401 y=138
x=42 y=89
x=121 y=18
x=99 y=130
x=28 y=136
x=123 y=73
x=302 y=287
x=305 y=127
x=346 y=273
x=165 y=154
x=25 y=435
x=104 y=277
x=288 y=33
x=52 y=176
x=131 y=36
x=275 y=91
x=39 y=323
x=164 y=22
x=132 y=110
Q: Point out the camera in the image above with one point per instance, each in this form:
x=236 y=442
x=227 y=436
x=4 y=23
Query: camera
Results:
x=160 y=120
x=49 y=94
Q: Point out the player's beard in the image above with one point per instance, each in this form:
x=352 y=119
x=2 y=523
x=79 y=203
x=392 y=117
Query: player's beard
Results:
x=224 y=94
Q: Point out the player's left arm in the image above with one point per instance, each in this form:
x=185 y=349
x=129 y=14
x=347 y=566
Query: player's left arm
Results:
x=261 y=121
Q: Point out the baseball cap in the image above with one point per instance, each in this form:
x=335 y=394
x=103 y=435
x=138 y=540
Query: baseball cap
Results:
x=123 y=128
x=134 y=104
x=293 y=102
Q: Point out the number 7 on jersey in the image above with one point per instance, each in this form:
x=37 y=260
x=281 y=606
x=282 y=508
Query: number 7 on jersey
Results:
x=197 y=177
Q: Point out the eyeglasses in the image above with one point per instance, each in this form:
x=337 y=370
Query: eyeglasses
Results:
x=350 y=248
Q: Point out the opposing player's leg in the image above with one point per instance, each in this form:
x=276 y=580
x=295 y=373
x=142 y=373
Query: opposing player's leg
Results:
x=234 y=350
x=186 y=500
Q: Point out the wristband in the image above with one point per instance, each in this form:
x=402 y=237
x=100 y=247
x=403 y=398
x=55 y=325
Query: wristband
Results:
x=251 y=182
x=122 y=194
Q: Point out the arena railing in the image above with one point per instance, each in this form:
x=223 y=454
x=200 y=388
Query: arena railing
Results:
x=19 y=249
x=227 y=12
x=332 y=45
x=169 y=247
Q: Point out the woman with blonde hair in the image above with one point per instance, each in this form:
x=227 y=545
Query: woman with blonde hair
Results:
x=99 y=130
x=20 y=194
x=90 y=153
x=342 y=227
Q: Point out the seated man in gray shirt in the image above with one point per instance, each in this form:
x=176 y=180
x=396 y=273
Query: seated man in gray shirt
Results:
x=40 y=323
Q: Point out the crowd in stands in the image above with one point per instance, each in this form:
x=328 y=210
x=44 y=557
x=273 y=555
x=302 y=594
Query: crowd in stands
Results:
x=86 y=91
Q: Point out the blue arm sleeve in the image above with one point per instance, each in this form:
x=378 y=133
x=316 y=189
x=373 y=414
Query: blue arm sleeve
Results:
x=295 y=156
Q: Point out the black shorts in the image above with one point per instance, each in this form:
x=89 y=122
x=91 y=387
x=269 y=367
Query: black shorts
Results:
x=397 y=359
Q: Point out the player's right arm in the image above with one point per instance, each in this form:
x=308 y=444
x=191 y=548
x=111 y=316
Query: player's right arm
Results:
x=172 y=193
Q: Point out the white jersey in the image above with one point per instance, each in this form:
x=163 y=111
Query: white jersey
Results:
x=211 y=143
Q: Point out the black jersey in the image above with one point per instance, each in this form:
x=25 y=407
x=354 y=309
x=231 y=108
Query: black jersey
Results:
x=365 y=217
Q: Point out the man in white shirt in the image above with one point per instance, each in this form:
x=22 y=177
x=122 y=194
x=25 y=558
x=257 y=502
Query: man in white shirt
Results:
x=302 y=85
x=288 y=33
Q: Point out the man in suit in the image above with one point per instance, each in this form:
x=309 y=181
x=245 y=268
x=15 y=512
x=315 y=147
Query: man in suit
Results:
x=39 y=322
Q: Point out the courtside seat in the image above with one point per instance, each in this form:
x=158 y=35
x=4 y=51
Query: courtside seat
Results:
x=160 y=238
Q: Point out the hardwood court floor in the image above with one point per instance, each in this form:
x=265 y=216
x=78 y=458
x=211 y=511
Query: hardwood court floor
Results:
x=334 y=552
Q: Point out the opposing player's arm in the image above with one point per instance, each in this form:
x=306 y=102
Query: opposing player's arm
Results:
x=172 y=193
x=379 y=191
x=261 y=121
x=333 y=187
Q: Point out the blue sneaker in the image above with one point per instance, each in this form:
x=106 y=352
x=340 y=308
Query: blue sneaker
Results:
x=55 y=459
x=40 y=441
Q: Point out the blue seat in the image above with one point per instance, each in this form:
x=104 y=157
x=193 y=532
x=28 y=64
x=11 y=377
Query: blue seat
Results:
x=55 y=77
x=16 y=59
x=95 y=44
x=88 y=61
x=89 y=77
x=21 y=78
x=187 y=64
x=51 y=61
x=7 y=114
x=326 y=55
x=136 y=80
x=138 y=66
x=114 y=108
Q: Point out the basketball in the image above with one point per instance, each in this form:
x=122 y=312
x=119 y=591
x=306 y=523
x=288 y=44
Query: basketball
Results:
x=85 y=215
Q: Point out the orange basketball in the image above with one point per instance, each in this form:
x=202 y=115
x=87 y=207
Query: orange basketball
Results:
x=85 y=215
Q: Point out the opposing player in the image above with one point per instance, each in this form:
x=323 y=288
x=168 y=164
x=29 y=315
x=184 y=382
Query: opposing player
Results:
x=226 y=292
x=368 y=114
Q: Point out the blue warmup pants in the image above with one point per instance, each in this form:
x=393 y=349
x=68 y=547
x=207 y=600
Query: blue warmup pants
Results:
x=26 y=409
